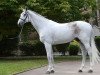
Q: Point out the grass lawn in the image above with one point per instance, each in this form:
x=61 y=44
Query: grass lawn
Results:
x=9 y=67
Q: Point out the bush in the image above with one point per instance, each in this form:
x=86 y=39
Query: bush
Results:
x=26 y=49
x=73 y=49
x=62 y=48
x=97 y=41
x=39 y=49
x=7 y=46
x=36 y=48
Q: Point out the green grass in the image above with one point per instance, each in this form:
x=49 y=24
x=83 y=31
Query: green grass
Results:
x=9 y=67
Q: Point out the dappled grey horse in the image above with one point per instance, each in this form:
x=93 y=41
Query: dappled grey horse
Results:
x=52 y=33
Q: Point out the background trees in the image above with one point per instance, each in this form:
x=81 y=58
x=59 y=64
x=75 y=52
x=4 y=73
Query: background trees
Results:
x=57 y=10
x=98 y=12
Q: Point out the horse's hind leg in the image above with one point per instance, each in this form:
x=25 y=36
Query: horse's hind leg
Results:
x=89 y=49
x=84 y=53
x=86 y=43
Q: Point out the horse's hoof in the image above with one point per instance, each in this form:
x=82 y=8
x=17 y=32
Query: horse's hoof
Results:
x=80 y=71
x=52 y=71
x=48 y=72
x=90 y=71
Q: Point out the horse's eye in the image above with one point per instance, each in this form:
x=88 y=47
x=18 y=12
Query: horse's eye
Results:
x=24 y=14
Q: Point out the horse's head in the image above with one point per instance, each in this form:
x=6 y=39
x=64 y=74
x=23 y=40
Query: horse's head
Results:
x=23 y=18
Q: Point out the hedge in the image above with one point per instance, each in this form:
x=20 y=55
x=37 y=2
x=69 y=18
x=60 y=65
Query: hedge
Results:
x=97 y=42
x=7 y=46
x=73 y=48
x=29 y=49
x=63 y=48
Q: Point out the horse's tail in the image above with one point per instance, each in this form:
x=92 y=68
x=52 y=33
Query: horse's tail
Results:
x=95 y=52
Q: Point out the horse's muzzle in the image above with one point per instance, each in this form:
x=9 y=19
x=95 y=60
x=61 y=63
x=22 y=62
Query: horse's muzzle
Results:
x=20 y=23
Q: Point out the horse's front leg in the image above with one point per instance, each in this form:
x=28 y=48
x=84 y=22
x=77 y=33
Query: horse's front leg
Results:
x=50 y=58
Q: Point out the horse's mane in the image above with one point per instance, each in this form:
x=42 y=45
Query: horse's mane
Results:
x=41 y=16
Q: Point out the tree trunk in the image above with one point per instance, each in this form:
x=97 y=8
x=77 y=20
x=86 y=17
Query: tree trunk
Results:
x=98 y=12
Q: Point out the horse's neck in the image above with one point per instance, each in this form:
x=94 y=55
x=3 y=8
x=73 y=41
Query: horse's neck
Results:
x=38 y=21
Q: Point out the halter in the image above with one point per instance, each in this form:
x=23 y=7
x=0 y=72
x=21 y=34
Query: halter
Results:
x=25 y=17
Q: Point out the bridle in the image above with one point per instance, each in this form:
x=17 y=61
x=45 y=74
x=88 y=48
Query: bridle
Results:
x=25 y=17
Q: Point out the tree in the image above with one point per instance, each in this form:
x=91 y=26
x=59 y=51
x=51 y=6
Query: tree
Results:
x=8 y=18
x=57 y=10
x=52 y=9
x=98 y=12
x=8 y=26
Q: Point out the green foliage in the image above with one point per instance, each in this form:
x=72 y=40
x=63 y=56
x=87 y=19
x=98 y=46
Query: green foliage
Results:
x=8 y=4
x=62 y=48
x=26 y=48
x=97 y=41
x=29 y=49
x=8 y=18
x=26 y=31
x=39 y=49
x=7 y=46
x=62 y=10
x=73 y=48
x=50 y=8
x=57 y=10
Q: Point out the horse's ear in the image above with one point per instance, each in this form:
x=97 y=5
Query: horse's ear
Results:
x=26 y=8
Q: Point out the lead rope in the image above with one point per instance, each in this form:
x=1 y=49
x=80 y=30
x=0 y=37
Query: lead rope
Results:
x=19 y=36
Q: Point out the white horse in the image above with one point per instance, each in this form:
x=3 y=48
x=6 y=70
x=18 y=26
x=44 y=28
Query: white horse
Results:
x=52 y=33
